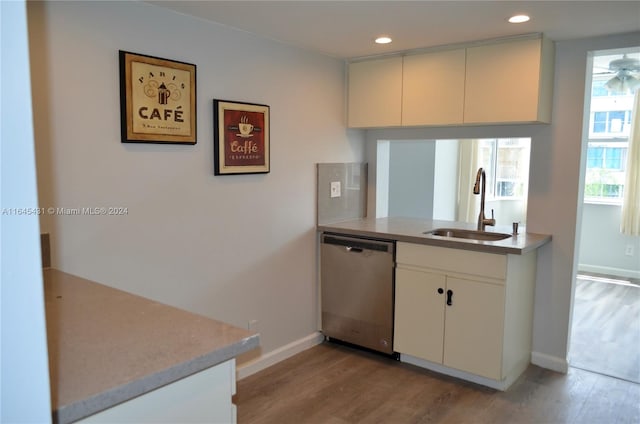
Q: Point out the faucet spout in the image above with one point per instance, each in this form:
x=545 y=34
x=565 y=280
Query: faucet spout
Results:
x=476 y=187
x=480 y=187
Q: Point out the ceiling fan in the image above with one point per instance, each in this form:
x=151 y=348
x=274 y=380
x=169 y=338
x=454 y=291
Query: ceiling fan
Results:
x=626 y=78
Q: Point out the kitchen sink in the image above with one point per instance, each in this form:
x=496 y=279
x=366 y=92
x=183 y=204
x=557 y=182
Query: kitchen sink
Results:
x=467 y=234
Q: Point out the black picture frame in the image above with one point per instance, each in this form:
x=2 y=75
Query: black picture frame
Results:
x=157 y=100
x=241 y=137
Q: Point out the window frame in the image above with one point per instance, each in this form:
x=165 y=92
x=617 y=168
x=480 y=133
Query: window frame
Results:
x=605 y=143
x=492 y=172
x=602 y=105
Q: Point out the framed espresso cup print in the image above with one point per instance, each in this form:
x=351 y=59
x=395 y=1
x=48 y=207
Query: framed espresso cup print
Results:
x=241 y=138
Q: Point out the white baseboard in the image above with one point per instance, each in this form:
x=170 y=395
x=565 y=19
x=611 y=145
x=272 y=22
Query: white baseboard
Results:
x=618 y=272
x=549 y=362
x=280 y=354
x=494 y=384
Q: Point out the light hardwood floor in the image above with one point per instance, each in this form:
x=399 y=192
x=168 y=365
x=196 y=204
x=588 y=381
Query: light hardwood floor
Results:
x=335 y=384
x=605 y=334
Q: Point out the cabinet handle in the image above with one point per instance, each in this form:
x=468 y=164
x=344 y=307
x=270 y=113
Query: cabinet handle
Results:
x=449 y=297
x=440 y=291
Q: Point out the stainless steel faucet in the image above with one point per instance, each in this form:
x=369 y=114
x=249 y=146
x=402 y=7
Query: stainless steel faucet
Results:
x=482 y=220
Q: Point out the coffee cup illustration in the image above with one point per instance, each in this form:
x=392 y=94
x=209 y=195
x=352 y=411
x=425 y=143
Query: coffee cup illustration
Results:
x=244 y=126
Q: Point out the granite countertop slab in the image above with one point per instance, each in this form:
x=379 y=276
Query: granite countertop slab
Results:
x=107 y=346
x=412 y=230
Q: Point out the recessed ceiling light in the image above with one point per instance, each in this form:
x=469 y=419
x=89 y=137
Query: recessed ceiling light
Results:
x=383 y=40
x=518 y=19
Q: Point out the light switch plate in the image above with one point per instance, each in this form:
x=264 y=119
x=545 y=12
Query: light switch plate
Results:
x=335 y=189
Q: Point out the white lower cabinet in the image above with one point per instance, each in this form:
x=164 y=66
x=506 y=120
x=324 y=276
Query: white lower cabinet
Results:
x=419 y=314
x=204 y=397
x=474 y=320
x=468 y=314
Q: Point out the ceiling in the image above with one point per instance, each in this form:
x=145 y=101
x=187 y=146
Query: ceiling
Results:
x=346 y=29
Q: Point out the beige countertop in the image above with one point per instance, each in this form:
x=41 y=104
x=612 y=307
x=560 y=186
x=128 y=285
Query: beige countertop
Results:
x=412 y=230
x=107 y=346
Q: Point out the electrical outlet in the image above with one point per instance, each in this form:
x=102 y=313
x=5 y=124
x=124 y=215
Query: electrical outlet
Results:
x=629 y=250
x=335 y=189
x=252 y=325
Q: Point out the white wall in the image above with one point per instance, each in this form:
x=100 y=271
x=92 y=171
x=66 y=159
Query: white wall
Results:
x=603 y=247
x=235 y=248
x=24 y=375
x=445 y=180
x=555 y=193
x=411 y=176
x=554 y=188
x=381 y=172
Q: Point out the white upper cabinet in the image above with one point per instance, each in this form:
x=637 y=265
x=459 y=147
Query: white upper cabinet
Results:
x=501 y=82
x=509 y=82
x=375 y=93
x=433 y=88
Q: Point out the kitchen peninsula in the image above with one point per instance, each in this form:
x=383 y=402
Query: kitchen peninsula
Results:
x=135 y=359
x=462 y=306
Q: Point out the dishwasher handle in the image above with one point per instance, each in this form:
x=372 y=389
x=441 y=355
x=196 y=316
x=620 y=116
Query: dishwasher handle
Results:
x=358 y=245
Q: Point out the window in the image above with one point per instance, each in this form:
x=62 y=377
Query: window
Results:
x=609 y=126
x=598 y=88
x=615 y=122
x=606 y=166
x=607 y=156
x=506 y=164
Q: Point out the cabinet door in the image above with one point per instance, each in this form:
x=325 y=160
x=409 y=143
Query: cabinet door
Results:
x=375 y=93
x=419 y=314
x=503 y=82
x=433 y=88
x=474 y=327
x=204 y=397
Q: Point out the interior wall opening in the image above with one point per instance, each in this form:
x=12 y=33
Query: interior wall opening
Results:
x=433 y=179
x=605 y=329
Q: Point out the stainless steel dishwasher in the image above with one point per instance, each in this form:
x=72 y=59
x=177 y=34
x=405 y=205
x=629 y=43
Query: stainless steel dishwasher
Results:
x=356 y=277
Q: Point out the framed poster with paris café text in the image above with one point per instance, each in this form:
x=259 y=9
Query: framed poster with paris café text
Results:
x=241 y=138
x=157 y=100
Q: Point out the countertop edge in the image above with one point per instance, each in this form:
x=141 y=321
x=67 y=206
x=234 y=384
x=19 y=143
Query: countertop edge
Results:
x=99 y=402
x=538 y=240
